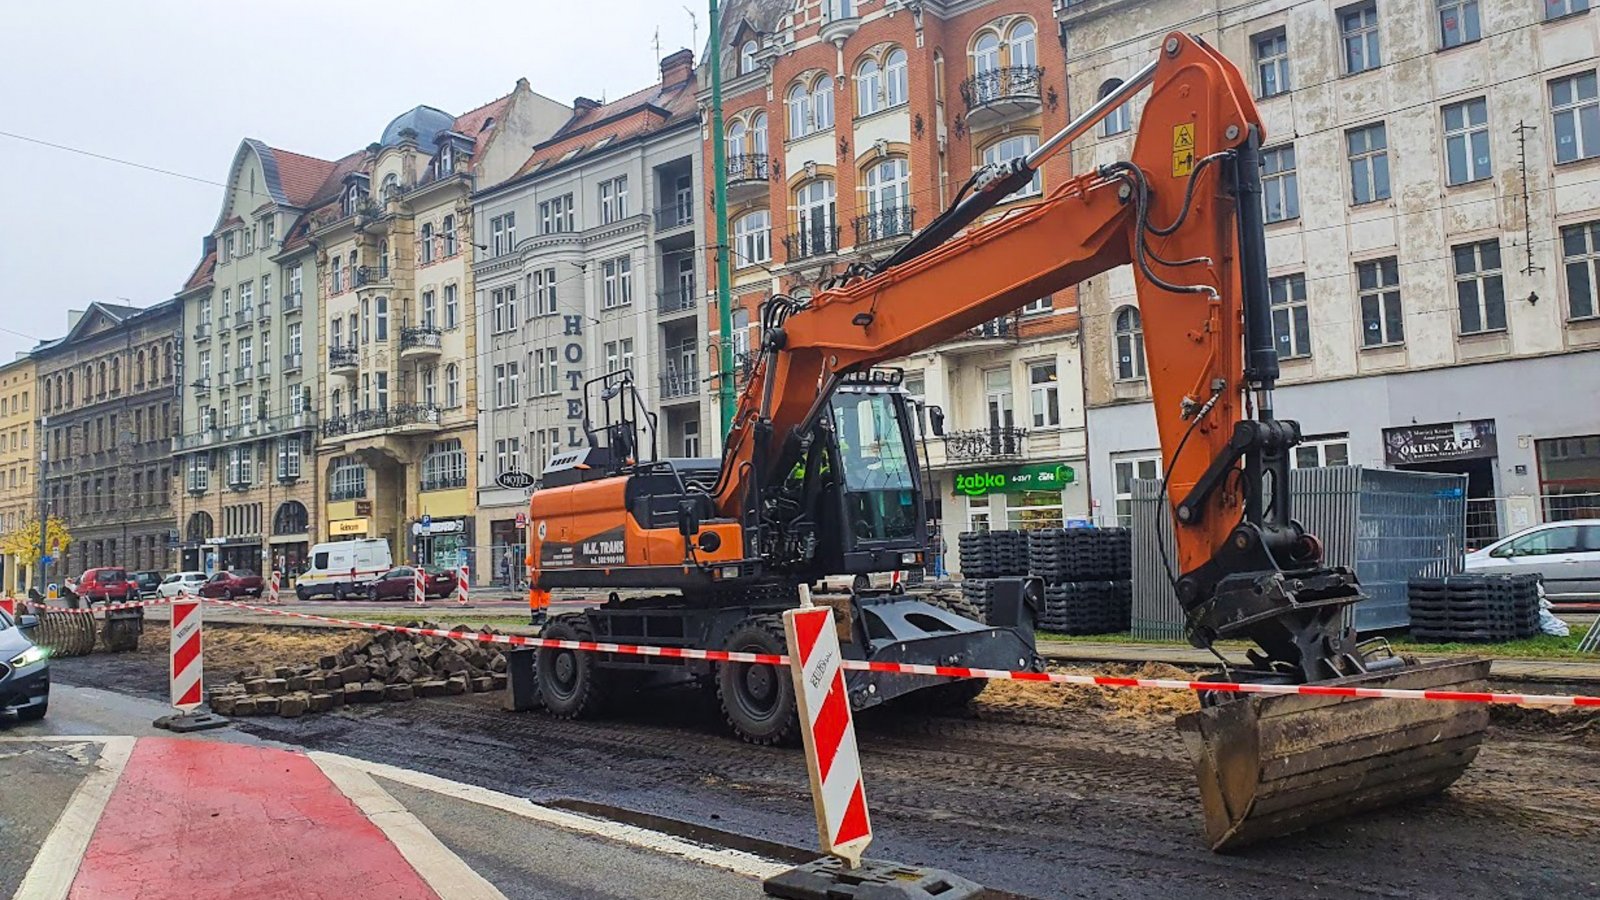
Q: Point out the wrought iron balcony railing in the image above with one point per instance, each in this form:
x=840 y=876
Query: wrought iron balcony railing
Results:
x=342 y=357
x=1008 y=83
x=897 y=221
x=985 y=444
x=748 y=167
x=811 y=241
x=421 y=338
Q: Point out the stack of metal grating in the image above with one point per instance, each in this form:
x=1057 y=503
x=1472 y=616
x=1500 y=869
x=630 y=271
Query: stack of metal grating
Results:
x=1474 y=608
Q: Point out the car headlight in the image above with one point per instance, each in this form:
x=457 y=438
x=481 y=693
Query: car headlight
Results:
x=29 y=656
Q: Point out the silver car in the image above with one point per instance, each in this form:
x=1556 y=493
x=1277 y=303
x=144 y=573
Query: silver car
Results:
x=1566 y=554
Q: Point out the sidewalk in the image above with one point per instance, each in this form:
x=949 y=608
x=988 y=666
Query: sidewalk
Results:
x=1508 y=668
x=164 y=817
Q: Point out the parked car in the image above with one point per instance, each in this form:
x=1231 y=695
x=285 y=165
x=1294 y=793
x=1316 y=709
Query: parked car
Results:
x=397 y=583
x=24 y=670
x=149 y=583
x=343 y=568
x=1565 y=554
x=231 y=584
x=105 y=584
x=181 y=582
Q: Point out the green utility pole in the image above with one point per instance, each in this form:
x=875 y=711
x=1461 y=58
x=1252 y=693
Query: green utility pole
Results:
x=719 y=176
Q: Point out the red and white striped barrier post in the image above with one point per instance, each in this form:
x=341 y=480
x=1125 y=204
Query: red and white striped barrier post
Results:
x=419 y=586
x=187 y=664
x=829 y=732
x=461 y=585
x=275 y=587
x=8 y=606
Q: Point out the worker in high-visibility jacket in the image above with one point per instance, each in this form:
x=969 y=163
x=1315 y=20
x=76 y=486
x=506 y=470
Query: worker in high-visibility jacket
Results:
x=538 y=598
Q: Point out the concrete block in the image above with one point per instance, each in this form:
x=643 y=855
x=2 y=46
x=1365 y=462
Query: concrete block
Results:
x=266 y=705
x=277 y=687
x=320 y=702
x=292 y=706
x=399 y=692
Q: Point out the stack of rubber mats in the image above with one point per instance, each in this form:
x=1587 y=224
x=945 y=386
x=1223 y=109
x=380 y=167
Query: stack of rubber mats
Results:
x=1474 y=608
x=979 y=592
x=1062 y=555
x=993 y=554
x=1088 y=607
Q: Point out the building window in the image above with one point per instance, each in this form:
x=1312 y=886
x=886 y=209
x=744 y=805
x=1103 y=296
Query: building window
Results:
x=1144 y=468
x=289 y=451
x=241 y=464
x=810 y=107
x=869 y=87
x=1382 y=321
x=1479 y=290
x=452 y=386
x=1580 y=251
x=507 y=455
x=197 y=474
x=1576 y=110
x=1116 y=121
x=1569 y=477
x=1272 y=63
x=1321 y=450
x=1466 y=141
x=430 y=386
x=815 y=229
x=1129 y=348
x=444 y=466
x=1369 y=163
x=505 y=385
x=426 y=250
x=616 y=277
x=1280 y=184
x=295 y=279
x=503 y=309
x=752 y=238
x=503 y=233
x=747 y=58
x=544 y=291
x=1359 y=24
x=619 y=355
x=613 y=200
x=1458 y=23
x=894 y=78
x=1291 y=321
x=348 y=480
x=335 y=281
x=1040 y=306
x=448 y=232
x=381 y=325
x=555 y=215
x=452 y=307
x=1555 y=9
x=548 y=373
x=1043 y=395
x=1015 y=147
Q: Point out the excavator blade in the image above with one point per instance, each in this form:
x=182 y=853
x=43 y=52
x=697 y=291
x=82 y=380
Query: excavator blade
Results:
x=1273 y=764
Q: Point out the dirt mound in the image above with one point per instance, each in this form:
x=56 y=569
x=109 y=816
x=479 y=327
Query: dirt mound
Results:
x=1129 y=703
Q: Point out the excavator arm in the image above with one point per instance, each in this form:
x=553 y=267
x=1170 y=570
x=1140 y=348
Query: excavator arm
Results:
x=1185 y=212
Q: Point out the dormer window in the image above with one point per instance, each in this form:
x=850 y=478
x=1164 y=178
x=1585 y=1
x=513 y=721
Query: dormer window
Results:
x=391 y=185
x=747 y=58
x=446 y=161
x=354 y=193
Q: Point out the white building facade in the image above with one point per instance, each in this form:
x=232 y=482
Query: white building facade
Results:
x=1433 y=239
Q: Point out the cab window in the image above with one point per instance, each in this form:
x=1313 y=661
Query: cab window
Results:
x=319 y=560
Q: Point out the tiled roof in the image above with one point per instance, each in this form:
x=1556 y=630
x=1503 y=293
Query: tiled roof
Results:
x=300 y=175
x=637 y=113
x=202 y=272
x=471 y=123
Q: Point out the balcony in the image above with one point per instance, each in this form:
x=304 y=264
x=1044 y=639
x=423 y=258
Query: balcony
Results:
x=988 y=336
x=263 y=370
x=984 y=445
x=292 y=302
x=202 y=386
x=680 y=384
x=885 y=224
x=412 y=418
x=202 y=331
x=674 y=300
x=244 y=373
x=347 y=492
x=292 y=362
x=421 y=343
x=368 y=276
x=842 y=21
x=675 y=215
x=225 y=321
x=264 y=313
x=444 y=483
x=1000 y=95
x=246 y=315
x=747 y=177
x=343 y=360
x=811 y=242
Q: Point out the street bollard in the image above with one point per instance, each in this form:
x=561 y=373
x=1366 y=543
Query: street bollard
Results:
x=419 y=586
x=186 y=668
x=461 y=586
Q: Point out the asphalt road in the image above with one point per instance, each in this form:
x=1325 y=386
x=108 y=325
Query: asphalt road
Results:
x=1036 y=798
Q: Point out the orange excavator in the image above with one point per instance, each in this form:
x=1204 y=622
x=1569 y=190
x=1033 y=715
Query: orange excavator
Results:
x=820 y=478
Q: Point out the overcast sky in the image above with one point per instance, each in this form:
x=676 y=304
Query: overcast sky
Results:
x=177 y=85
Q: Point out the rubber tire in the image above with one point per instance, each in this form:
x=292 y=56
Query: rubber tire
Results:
x=955 y=603
x=338 y=593
x=570 y=683
x=228 y=594
x=372 y=593
x=33 y=713
x=860 y=583
x=771 y=722
x=121 y=635
x=300 y=593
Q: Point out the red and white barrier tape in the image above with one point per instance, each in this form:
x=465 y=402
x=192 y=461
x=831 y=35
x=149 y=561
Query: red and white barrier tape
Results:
x=107 y=607
x=1112 y=681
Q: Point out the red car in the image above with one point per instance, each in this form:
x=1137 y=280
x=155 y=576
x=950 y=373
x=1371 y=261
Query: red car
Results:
x=106 y=584
x=228 y=585
x=396 y=584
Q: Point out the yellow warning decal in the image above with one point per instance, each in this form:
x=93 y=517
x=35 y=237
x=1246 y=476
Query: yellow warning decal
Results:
x=1182 y=149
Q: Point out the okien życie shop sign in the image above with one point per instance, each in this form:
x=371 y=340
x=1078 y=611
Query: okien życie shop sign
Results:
x=1014 y=479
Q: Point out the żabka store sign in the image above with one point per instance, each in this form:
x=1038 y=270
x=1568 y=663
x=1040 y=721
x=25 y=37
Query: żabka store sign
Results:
x=1014 y=479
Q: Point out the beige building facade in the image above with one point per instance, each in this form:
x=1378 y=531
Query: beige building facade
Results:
x=19 y=491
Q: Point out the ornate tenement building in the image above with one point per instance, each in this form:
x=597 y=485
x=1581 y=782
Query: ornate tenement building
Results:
x=19 y=454
x=107 y=403
x=849 y=125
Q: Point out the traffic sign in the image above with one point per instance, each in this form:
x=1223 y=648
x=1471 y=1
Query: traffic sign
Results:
x=427 y=521
x=47 y=560
x=514 y=480
x=522 y=520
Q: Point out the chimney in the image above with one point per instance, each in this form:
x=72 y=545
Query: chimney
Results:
x=584 y=104
x=677 y=67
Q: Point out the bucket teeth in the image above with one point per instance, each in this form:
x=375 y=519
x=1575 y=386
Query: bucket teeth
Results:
x=1270 y=765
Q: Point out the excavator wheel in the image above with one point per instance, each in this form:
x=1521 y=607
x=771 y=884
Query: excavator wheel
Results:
x=955 y=603
x=758 y=701
x=571 y=685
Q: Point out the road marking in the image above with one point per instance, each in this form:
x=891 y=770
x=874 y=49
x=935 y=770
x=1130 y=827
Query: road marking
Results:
x=59 y=738
x=56 y=865
x=737 y=861
x=444 y=871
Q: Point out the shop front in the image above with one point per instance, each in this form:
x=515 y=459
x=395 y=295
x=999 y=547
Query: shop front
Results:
x=443 y=542
x=1023 y=497
x=1468 y=448
x=508 y=549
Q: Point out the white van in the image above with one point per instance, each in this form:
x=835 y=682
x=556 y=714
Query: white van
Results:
x=341 y=568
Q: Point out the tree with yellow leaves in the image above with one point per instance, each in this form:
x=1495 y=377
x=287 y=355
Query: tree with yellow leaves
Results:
x=23 y=542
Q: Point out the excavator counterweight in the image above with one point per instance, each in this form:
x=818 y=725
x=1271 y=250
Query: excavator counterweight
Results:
x=819 y=477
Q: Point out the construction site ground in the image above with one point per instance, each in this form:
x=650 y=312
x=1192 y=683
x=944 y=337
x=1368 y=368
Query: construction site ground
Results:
x=1036 y=790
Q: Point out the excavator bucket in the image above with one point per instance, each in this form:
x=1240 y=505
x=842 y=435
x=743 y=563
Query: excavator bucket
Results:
x=1273 y=764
